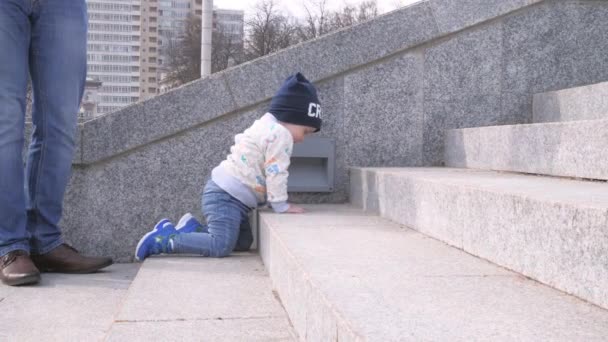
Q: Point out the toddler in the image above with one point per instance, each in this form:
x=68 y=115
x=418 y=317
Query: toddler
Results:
x=254 y=173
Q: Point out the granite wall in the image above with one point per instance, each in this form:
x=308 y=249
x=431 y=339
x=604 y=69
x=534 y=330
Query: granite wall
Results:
x=390 y=88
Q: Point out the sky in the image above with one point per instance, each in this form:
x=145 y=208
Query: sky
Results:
x=296 y=9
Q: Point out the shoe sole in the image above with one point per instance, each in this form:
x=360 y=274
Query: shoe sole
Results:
x=91 y=269
x=29 y=280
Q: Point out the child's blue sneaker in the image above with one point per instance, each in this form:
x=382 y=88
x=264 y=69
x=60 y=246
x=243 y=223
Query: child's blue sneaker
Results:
x=189 y=224
x=161 y=223
x=155 y=242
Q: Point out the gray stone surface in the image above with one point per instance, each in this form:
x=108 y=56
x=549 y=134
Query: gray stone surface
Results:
x=571 y=149
x=164 y=115
x=580 y=103
x=552 y=230
x=454 y=15
x=203 y=298
x=462 y=87
x=64 y=307
x=485 y=75
x=555 y=45
x=339 y=280
x=383 y=107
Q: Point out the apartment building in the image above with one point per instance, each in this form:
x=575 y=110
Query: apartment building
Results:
x=114 y=51
x=149 y=48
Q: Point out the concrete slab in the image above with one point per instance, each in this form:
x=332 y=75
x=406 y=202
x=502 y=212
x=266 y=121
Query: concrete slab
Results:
x=64 y=307
x=194 y=298
x=588 y=102
x=387 y=283
x=565 y=149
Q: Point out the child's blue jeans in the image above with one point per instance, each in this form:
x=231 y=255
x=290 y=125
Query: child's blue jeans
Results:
x=227 y=226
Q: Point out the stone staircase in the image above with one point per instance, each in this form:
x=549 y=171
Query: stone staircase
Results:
x=516 y=233
x=521 y=202
x=346 y=275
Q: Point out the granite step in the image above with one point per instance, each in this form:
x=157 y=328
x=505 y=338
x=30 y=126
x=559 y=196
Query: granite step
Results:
x=344 y=275
x=565 y=149
x=588 y=102
x=550 y=229
x=201 y=299
x=64 y=307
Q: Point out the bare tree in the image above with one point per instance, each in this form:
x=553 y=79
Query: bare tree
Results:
x=320 y=21
x=351 y=15
x=269 y=30
x=184 y=53
x=316 y=22
x=227 y=50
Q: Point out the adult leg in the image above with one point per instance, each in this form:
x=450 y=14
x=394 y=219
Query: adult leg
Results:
x=58 y=69
x=58 y=65
x=14 y=40
x=16 y=267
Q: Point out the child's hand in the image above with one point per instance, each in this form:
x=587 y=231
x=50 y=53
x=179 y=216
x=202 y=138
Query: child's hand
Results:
x=294 y=209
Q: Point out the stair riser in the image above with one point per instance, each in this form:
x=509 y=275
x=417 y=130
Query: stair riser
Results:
x=311 y=314
x=581 y=103
x=559 y=244
x=576 y=149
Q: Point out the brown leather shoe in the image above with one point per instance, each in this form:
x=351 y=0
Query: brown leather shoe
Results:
x=66 y=259
x=16 y=268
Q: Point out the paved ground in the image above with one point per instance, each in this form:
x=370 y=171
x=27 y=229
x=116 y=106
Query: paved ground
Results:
x=64 y=307
x=170 y=299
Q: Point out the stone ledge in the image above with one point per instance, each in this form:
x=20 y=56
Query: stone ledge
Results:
x=580 y=103
x=569 y=149
x=201 y=297
x=552 y=230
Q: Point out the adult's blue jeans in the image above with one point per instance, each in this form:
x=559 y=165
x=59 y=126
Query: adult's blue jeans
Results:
x=227 y=226
x=44 y=40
